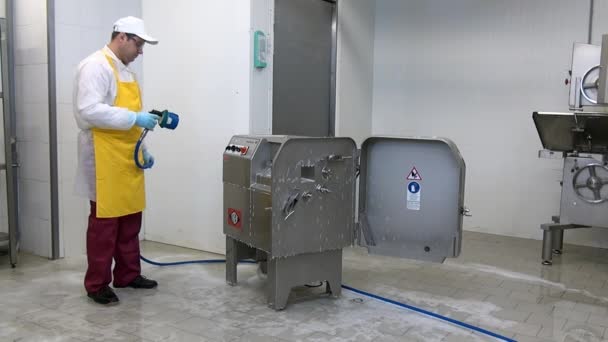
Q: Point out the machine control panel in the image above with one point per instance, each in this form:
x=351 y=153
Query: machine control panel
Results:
x=237 y=149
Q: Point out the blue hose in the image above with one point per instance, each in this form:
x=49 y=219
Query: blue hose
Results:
x=428 y=313
x=208 y=261
x=367 y=294
x=136 y=152
x=166 y=120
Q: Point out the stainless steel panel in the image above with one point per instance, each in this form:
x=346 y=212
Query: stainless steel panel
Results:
x=236 y=170
x=574 y=209
x=584 y=57
x=567 y=132
x=313 y=187
x=237 y=165
x=236 y=198
x=261 y=164
x=412 y=197
x=261 y=218
x=302 y=77
x=602 y=92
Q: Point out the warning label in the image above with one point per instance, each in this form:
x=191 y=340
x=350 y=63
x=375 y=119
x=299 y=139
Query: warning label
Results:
x=413 y=196
x=414 y=174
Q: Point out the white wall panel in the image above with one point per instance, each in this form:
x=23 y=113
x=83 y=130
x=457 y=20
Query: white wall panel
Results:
x=200 y=70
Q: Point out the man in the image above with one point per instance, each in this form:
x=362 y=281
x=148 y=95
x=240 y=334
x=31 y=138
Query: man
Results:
x=108 y=111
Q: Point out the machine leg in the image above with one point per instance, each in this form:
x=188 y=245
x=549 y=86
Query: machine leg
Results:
x=262 y=258
x=558 y=241
x=232 y=260
x=288 y=272
x=334 y=286
x=553 y=238
x=547 y=254
x=279 y=285
x=264 y=267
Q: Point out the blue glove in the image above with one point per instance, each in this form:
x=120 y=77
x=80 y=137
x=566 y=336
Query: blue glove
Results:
x=146 y=120
x=148 y=159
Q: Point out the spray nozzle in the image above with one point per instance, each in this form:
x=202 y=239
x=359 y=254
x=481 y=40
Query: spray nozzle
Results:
x=167 y=119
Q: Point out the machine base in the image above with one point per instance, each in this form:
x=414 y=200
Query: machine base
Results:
x=288 y=272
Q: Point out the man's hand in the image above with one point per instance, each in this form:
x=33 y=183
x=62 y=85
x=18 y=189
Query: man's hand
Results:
x=146 y=120
x=148 y=159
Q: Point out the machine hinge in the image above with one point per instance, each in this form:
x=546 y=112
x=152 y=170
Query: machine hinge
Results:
x=464 y=211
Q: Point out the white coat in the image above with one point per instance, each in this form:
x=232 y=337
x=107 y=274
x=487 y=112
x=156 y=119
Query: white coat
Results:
x=94 y=94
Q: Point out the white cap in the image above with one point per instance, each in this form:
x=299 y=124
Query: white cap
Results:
x=135 y=26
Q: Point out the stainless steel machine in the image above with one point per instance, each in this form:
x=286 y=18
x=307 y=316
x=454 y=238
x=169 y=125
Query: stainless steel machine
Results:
x=580 y=137
x=290 y=204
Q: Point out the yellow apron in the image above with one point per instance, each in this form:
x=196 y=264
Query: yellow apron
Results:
x=119 y=182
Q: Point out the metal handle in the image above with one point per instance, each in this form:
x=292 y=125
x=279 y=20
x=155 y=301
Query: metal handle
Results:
x=3 y=166
x=290 y=205
x=594 y=183
x=337 y=157
x=584 y=86
x=322 y=189
x=465 y=212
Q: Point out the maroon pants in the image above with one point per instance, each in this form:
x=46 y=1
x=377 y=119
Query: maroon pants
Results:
x=112 y=238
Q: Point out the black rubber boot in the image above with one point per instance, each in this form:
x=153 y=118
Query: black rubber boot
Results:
x=104 y=296
x=141 y=282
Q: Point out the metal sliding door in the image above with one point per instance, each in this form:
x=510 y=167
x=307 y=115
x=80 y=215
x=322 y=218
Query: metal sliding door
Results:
x=10 y=164
x=304 y=67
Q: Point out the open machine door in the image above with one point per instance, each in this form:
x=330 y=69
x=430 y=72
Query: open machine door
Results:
x=411 y=199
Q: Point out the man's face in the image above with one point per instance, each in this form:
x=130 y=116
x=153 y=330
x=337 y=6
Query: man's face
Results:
x=131 y=47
